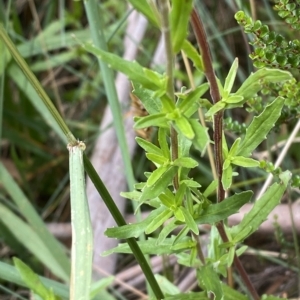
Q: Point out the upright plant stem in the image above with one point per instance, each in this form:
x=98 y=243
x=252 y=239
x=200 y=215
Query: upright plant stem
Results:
x=164 y=8
x=120 y=222
x=218 y=132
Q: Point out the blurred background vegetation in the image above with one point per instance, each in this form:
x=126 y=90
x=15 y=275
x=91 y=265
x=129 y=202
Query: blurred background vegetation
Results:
x=38 y=160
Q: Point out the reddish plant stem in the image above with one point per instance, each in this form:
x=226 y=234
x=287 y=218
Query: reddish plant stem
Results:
x=217 y=135
x=215 y=95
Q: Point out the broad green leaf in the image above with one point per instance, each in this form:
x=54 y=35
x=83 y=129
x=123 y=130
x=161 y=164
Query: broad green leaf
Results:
x=215 y=108
x=231 y=76
x=159 y=186
x=148 y=146
x=147 y=10
x=254 y=82
x=133 y=230
x=183 y=126
x=151 y=120
x=260 y=127
x=189 y=220
x=156 y=175
x=245 y=162
x=220 y=211
x=227 y=176
x=151 y=103
x=263 y=206
x=209 y=280
x=193 y=55
x=132 y=69
x=185 y=162
x=157 y=159
x=33 y=281
x=158 y=220
x=82 y=235
x=162 y=139
x=179 y=19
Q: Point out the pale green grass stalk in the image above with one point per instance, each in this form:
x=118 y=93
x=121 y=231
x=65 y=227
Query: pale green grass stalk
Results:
x=82 y=237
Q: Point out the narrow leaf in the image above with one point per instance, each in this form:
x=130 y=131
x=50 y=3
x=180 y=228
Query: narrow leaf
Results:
x=220 y=211
x=185 y=162
x=148 y=146
x=189 y=220
x=245 y=162
x=179 y=19
x=263 y=206
x=158 y=119
x=159 y=186
x=156 y=175
x=260 y=127
x=158 y=221
x=231 y=76
x=193 y=55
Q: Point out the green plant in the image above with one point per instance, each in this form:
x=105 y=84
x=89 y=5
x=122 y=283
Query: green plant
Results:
x=177 y=200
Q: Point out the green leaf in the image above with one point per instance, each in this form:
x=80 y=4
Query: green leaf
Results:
x=179 y=19
x=232 y=294
x=215 y=108
x=201 y=139
x=245 y=162
x=148 y=146
x=156 y=174
x=157 y=159
x=158 y=220
x=132 y=69
x=166 y=286
x=234 y=148
x=189 y=103
x=162 y=140
x=166 y=231
x=151 y=120
x=231 y=76
x=151 y=103
x=189 y=220
x=192 y=53
x=151 y=247
x=185 y=162
x=227 y=176
x=159 y=186
x=253 y=83
x=260 y=127
x=133 y=230
x=167 y=200
x=33 y=281
x=209 y=280
x=5 y=57
x=179 y=214
x=234 y=100
x=180 y=193
x=220 y=211
x=183 y=125
x=262 y=207
x=147 y=10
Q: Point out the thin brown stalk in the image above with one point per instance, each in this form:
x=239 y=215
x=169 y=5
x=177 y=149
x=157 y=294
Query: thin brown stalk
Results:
x=218 y=131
